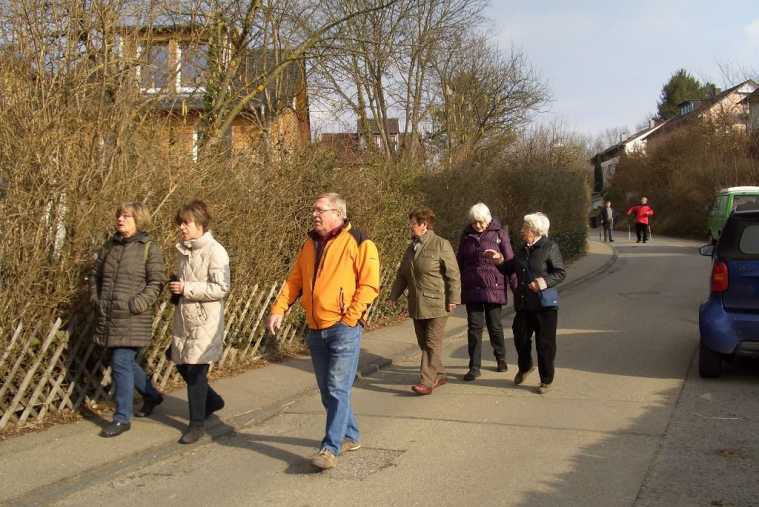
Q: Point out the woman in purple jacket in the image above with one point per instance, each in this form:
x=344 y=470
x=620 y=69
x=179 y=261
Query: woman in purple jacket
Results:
x=483 y=286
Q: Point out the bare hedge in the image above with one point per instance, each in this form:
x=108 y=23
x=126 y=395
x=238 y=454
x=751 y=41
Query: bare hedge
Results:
x=682 y=176
x=513 y=185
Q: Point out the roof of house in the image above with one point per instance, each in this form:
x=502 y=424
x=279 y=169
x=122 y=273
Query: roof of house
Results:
x=701 y=105
x=392 y=126
x=637 y=136
x=705 y=104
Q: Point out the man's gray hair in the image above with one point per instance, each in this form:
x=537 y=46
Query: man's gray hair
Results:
x=336 y=202
x=538 y=222
x=480 y=213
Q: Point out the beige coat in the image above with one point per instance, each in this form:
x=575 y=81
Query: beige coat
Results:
x=431 y=274
x=198 y=331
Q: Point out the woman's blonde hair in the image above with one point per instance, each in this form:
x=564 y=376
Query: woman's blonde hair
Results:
x=139 y=211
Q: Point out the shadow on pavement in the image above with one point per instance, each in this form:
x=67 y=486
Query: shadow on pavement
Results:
x=270 y=445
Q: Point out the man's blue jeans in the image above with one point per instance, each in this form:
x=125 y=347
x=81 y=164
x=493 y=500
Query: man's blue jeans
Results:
x=334 y=354
x=128 y=375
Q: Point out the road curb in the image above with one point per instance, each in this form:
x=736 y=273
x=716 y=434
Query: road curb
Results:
x=593 y=274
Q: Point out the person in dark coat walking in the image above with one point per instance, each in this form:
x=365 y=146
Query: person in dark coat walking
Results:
x=483 y=286
x=124 y=286
x=537 y=266
x=606 y=216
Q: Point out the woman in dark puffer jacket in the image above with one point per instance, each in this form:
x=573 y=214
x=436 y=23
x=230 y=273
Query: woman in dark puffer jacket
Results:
x=483 y=287
x=124 y=286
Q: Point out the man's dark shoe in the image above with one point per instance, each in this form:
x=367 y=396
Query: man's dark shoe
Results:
x=501 y=365
x=192 y=434
x=520 y=376
x=471 y=375
x=441 y=381
x=210 y=409
x=148 y=405
x=115 y=429
x=421 y=389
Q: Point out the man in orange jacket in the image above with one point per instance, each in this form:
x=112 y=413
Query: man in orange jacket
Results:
x=336 y=275
x=642 y=211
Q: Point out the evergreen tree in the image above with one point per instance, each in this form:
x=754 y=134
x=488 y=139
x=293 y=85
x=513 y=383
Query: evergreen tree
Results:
x=681 y=87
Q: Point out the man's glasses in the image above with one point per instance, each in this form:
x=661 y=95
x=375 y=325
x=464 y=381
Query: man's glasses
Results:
x=319 y=211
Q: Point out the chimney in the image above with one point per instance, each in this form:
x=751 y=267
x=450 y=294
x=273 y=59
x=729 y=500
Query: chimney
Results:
x=651 y=123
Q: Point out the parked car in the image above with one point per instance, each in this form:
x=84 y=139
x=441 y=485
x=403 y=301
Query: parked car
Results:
x=728 y=200
x=728 y=320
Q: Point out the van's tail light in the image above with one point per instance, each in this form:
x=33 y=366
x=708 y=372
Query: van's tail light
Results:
x=719 y=277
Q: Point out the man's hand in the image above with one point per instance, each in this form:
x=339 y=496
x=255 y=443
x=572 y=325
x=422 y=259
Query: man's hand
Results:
x=451 y=307
x=493 y=255
x=274 y=322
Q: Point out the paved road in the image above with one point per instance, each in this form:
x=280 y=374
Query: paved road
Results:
x=616 y=430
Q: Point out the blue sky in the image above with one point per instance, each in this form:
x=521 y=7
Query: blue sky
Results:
x=606 y=61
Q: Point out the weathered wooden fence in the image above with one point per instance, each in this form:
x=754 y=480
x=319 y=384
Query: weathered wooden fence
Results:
x=48 y=368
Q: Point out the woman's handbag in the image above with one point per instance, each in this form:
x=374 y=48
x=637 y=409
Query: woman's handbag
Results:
x=549 y=298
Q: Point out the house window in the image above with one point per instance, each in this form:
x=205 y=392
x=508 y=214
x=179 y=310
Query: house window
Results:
x=154 y=70
x=193 y=66
x=687 y=108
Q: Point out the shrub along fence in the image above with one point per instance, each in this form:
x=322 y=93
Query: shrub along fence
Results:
x=53 y=367
x=682 y=175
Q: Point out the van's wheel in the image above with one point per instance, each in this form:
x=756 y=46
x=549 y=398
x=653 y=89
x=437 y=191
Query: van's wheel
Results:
x=709 y=362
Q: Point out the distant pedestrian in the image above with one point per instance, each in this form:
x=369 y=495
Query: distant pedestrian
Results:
x=606 y=216
x=336 y=276
x=483 y=286
x=431 y=274
x=538 y=267
x=642 y=212
x=125 y=283
x=201 y=282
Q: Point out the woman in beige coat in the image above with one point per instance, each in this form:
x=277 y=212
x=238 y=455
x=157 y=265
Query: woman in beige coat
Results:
x=430 y=273
x=199 y=286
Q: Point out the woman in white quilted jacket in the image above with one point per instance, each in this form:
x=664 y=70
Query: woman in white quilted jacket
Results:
x=199 y=286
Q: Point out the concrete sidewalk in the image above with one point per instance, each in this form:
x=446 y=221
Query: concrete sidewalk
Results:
x=36 y=467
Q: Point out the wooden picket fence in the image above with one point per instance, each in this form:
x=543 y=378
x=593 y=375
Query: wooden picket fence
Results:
x=51 y=368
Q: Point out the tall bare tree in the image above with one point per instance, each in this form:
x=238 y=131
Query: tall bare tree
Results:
x=486 y=95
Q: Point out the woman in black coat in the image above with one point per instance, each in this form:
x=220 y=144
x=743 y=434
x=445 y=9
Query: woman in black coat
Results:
x=124 y=286
x=536 y=267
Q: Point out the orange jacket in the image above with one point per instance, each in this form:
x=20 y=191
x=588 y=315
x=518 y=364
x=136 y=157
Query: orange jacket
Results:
x=344 y=284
